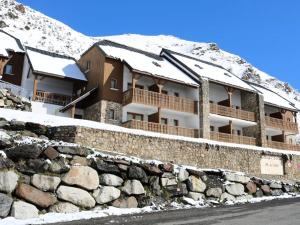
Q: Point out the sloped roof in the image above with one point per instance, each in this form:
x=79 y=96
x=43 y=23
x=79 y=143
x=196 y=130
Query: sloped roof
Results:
x=9 y=43
x=53 y=64
x=209 y=70
x=145 y=62
x=272 y=98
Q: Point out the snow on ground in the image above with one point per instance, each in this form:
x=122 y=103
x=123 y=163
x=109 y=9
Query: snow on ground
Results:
x=51 y=120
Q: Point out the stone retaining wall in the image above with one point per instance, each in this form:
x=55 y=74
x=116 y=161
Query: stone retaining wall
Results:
x=182 y=152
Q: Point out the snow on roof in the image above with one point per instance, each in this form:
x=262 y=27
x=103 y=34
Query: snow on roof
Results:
x=145 y=62
x=210 y=71
x=54 y=64
x=8 y=42
x=274 y=98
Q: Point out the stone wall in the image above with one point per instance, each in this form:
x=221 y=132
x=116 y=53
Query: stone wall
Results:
x=198 y=154
x=11 y=101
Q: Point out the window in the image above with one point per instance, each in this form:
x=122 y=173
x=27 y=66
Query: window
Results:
x=88 y=65
x=164 y=121
x=129 y=85
x=8 y=69
x=176 y=123
x=212 y=128
x=113 y=84
x=111 y=114
x=164 y=92
x=210 y=101
x=176 y=94
x=135 y=116
x=239 y=132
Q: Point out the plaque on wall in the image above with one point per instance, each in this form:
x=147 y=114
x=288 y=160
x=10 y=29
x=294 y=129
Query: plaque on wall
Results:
x=272 y=165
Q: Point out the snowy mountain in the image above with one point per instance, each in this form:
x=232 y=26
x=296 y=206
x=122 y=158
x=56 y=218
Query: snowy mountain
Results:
x=37 y=30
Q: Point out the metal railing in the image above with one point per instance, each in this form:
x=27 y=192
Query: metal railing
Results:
x=135 y=95
x=161 y=128
x=281 y=124
x=217 y=136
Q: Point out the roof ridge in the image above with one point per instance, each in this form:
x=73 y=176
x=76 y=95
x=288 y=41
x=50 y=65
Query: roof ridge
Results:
x=129 y=48
x=49 y=53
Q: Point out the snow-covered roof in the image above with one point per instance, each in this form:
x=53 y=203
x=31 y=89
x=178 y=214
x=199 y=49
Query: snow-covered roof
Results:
x=53 y=64
x=8 y=42
x=145 y=62
x=210 y=71
x=272 y=98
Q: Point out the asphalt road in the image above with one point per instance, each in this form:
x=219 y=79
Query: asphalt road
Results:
x=276 y=212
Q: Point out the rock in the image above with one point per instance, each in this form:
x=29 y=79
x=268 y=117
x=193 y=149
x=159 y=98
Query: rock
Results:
x=214 y=192
x=123 y=167
x=130 y=202
x=35 y=196
x=244 y=198
x=196 y=173
x=16 y=125
x=196 y=196
x=5 y=205
x=24 y=179
x=110 y=180
x=82 y=176
x=77 y=160
x=23 y=210
x=59 y=165
x=121 y=161
x=259 y=193
x=227 y=197
x=235 y=189
x=276 y=185
x=74 y=150
x=36 y=128
x=276 y=192
x=104 y=167
x=266 y=189
x=152 y=169
x=6 y=163
x=177 y=190
x=106 y=194
x=25 y=151
x=251 y=187
x=165 y=181
x=51 y=153
x=64 y=207
x=137 y=173
x=133 y=187
x=8 y=181
x=76 y=196
x=195 y=184
x=234 y=177
x=37 y=165
x=44 y=182
x=167 y=167
x=183 y=175
x=5 y=140
x=154 y=185
x=289 y=188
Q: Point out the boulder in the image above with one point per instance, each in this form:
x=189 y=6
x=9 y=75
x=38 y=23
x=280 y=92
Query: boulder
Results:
x=77 y=160
x=259 y=193
x=227 y=197
x=25 y=151
x=152 y=169
x=133 y=187
x=130 y=202
x=275 y=185
x=244 y=198
x=183 y=174
x=251 y=187
x=177 y=190
x=8 y=181
x=35 y=196
x=36 y=165
x=64 y=207
x=36 y=128
x=196 y=196
x=155 y=185
x=196 y=173
x=122 y=167
x=23 y=210
x=6 y=163
x=276 y=192
x=289 y=188
x=82 y=176
x=5 y=139
x=235 y=177
x=165 y=181
x=74 y=150
x=51 y=153
x=5 y=205
x=104 y=167
x=59 y=165
x=235 y=189
x=195 y=184
x=266 y=189
x=106 y=194
x=45 y=182
x=137 y=173
x=214 y=192
x=110 y=180
x=16 y=125
x=167 y=167
x=76 y=196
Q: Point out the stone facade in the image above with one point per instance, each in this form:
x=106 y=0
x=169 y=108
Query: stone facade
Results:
x=100 y=112
x=204 y=110
x=194 y=153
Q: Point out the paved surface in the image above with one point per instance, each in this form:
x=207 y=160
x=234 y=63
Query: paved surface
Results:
x=276 y=212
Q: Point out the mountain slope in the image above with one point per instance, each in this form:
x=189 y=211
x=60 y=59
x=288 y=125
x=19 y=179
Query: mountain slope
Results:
x=37 y=30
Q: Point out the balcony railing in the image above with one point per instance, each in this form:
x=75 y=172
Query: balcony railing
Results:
x=135 y=95
x=232 y=112
x=281 y=124
x=217 y=136
x=161 y=128
x=52 y=98
x=283 y=146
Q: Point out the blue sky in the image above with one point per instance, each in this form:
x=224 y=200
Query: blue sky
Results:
x=264 y=32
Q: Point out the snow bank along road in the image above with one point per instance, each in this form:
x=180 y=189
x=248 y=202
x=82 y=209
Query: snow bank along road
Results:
x=276 y=212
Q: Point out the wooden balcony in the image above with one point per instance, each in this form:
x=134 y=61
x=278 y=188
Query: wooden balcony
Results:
x=52 y=98
x=282 y=145
x=232 y=112
x=281 y=124
x=161 y=128
x=231 y=138
x=145 y=97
